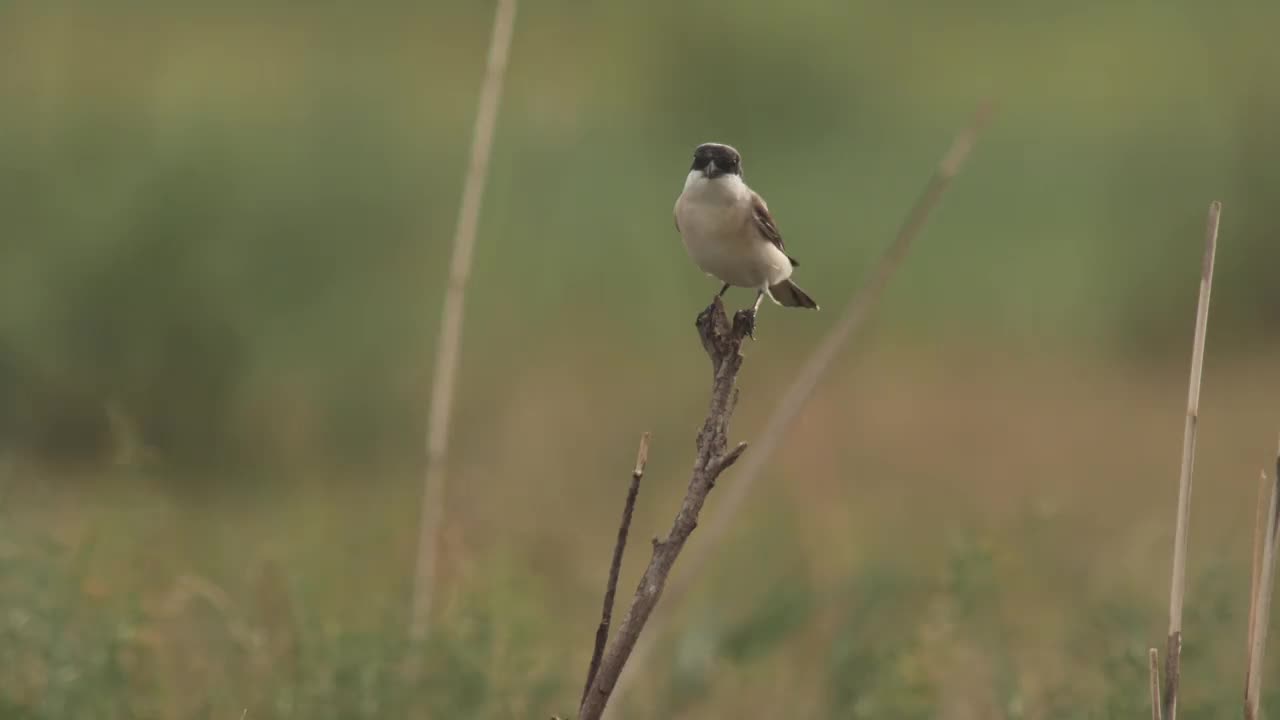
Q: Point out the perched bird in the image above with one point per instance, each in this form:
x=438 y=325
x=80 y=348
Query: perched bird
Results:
x=728 y=231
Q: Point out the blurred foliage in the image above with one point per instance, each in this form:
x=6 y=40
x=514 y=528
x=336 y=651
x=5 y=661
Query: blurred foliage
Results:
x=874 y=669
x=74 y=647
x=228 y=224
x=224 y=231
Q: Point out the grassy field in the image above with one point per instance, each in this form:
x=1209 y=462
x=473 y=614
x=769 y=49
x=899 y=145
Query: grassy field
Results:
x=222 y=253
x=974 y=540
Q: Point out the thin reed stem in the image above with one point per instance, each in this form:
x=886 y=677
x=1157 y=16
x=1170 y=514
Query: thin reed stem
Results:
x=1153 y=662
x=1178 y=586
x=1260 y=600
x=449 y=344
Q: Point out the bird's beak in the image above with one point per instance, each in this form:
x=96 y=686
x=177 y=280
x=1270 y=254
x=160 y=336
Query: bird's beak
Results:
x=712 y=171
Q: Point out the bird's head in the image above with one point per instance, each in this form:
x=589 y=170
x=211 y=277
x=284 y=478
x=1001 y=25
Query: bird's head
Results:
x=714 y=160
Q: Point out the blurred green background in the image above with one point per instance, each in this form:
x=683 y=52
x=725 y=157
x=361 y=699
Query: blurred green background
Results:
x=224 y=232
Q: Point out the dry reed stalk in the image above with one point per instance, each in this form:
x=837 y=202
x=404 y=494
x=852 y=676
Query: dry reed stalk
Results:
x=1153 y=658
x=449 y=344
x=1266 y=547
x=806 y=380
x=1178 y=585
x=1259 y=539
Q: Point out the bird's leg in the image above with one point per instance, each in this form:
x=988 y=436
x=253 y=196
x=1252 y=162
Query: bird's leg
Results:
x=711 y=308
x=747 y=318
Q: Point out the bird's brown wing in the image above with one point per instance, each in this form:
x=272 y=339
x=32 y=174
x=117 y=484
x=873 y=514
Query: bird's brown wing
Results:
x=767 y=227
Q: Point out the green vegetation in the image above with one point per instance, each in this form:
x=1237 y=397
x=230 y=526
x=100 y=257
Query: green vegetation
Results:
x=223 y=237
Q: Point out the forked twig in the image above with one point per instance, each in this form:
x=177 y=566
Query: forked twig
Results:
x=449 y=344
x=615 y=565
x=723 y=343
x=1178 y=586
x=806 y=380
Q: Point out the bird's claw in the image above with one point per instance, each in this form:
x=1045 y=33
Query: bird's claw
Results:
x=744 y=323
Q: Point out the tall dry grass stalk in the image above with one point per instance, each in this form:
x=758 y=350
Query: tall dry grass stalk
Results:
x=1177 y=590
x=801 y=389
x=1266 y=545
x=1153 y=670
x=1260 y=521
x=449 y=344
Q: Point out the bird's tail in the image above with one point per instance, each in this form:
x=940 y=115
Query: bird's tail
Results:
x=789 y=294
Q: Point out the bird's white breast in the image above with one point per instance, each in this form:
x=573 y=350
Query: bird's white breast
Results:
x=716 y=224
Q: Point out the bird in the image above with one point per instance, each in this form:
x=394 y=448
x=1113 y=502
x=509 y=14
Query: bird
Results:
x=729 y=233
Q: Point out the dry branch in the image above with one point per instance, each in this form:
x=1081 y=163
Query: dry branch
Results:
x=615 y=565
x=1178 y=586
x=723 y=343
x=449 y=345
x=801 y=389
